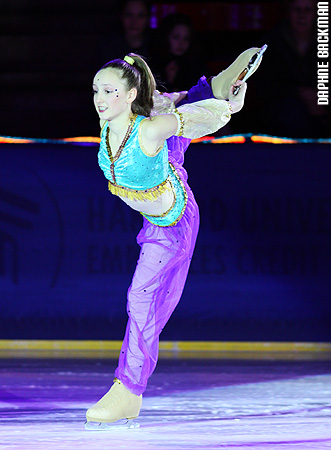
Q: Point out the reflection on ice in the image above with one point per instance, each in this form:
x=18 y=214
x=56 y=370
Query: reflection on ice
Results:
x=187 y=406
x=110 y=427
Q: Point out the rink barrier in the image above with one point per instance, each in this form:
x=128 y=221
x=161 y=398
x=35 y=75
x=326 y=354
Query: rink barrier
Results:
x=235 y=139
x=168 y=349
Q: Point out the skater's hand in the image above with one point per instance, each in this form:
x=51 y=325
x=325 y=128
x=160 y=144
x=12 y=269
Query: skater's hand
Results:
x=182 y=95
x=176 y=97
x=237 y=101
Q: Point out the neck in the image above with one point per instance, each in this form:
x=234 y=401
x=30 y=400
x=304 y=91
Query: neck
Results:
x=119 y=125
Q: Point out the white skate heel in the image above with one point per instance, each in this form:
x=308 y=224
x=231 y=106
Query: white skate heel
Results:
x=241 y=69
x=117 y=404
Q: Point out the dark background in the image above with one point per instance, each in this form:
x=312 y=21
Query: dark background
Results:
x=50 y=51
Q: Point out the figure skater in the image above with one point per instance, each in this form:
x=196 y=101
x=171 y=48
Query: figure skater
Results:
x=143 y=139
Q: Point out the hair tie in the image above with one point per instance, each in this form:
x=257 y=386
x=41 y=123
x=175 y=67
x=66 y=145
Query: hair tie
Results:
x=129 y=60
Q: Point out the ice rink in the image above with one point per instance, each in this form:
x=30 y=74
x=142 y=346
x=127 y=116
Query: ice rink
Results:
x=189 y=404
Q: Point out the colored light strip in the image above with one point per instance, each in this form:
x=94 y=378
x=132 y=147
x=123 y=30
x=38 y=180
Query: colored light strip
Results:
x=273 y=140
x=82 y=140
x=12 y=140
x=231 y=139
x=264 y=138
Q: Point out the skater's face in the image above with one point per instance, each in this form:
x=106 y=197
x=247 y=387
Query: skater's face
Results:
x=110 y=94
x=179 y=39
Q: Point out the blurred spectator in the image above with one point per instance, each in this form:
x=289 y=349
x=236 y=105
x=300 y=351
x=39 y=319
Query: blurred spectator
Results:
x=176 y=53
x=286 y=86
x=130 y=34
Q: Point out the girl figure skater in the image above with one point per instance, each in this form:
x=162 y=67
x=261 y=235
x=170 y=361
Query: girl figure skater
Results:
x=143 y=140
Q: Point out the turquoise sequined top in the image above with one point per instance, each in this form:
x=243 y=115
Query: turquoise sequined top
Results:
x=133 y=174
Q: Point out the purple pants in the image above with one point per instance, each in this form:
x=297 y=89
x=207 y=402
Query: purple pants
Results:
x=160 y=275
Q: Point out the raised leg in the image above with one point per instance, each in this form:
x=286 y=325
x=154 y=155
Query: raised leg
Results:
x=221 y=83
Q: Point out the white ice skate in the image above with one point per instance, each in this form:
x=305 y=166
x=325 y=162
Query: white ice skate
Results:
x=115 y=410
x=241 y=69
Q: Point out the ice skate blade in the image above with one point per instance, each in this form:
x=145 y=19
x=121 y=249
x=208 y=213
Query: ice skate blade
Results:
x=124 y=424
x=251 y=67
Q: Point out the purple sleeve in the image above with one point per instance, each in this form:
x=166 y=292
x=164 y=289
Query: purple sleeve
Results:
x=201 y=91
x=178 y=145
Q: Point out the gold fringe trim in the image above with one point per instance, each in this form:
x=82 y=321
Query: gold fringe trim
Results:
x=133 y=194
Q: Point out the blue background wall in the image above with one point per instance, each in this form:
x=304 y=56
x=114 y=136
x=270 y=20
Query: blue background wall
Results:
x=261 y=269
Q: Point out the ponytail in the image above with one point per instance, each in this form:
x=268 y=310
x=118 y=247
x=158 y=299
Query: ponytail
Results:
x=137 y=74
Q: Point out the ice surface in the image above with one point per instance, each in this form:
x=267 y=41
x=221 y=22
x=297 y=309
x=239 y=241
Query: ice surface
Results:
x=189 y=405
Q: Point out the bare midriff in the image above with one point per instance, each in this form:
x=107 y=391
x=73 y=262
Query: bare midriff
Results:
x=152 y=207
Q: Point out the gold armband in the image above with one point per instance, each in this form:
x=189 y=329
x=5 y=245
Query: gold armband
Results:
x=180 y=128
